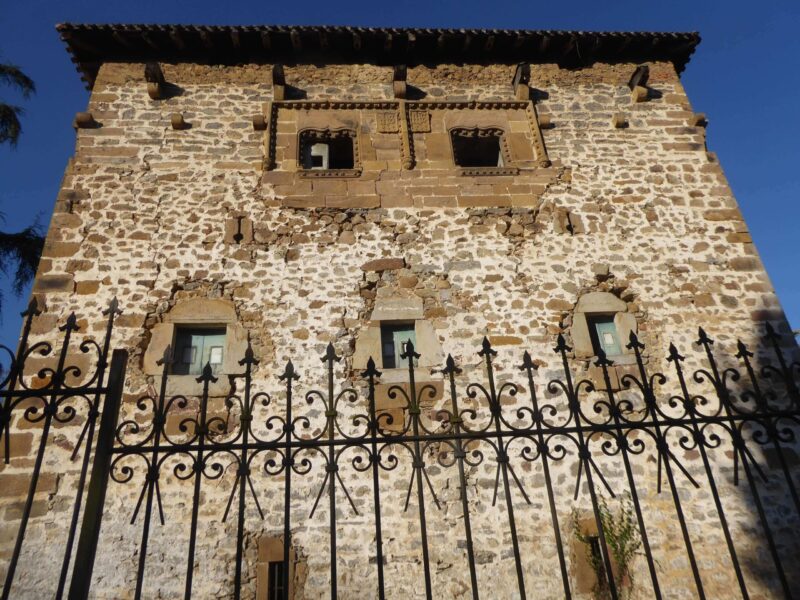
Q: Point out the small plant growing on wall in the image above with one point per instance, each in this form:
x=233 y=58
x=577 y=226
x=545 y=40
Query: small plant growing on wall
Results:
x=624 y=544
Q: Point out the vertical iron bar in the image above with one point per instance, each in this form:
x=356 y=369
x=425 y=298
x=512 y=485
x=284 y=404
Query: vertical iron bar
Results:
x=202 y=431
x=772 y=431
x=419 y=463
x=450 y=371
x=245 y=419
x=528 y=366
x=111 y=312
x=101 y=468
x=151 y=478
x=585 y=456
x=371 y=373
x=502 y=458
x=17 y=369
x=50 y=409
x=663 y=449
x=289 y=375
x=331 y=468
x=622 y=441
x=691 y=410
x=739 y=447
x=786 y=371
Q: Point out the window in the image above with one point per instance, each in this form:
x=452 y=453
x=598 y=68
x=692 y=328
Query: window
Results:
x=393 y=342
x=275 y=578
x=197 y=346
x=603 y=333
x=477 y=147
x=327 y=150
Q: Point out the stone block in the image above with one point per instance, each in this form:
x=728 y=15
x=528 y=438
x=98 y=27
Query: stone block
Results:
x=398 y=309
x=87 y=287
x=368 y=344
x=53 y=283
x=384 y=264
x=428 y=346
x=745 y=263
x=600 y=302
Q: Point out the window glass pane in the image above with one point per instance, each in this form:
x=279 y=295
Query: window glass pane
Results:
x=197 y=346
x=604 y=334
x=393 y=341
x=275 y=578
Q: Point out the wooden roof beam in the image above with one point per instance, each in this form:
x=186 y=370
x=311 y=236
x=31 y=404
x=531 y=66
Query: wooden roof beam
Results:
x=177 y=39
x=297 y=42
x=278 y=83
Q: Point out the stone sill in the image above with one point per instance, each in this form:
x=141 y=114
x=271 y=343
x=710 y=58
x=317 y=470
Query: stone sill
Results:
x=479 y=171
x=327 y=173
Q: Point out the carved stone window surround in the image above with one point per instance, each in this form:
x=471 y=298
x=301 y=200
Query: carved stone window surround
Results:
x=404 y=106
x=505 y=153
x=328 y=134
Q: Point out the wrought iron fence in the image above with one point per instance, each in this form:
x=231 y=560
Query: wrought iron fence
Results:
x=545 y=423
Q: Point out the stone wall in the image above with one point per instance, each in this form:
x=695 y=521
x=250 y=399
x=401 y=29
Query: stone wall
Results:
x=642 y=211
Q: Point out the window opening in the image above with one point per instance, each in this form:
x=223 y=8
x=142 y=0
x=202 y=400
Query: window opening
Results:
x=275 y=580
x=393 y=343
x=604 y=334
x=197 y=346
x=321 y=152
x=477 y=147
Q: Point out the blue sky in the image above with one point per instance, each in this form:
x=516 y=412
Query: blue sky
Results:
x=743 y=76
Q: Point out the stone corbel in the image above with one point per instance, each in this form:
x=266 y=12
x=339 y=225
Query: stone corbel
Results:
x=278 y=83
x=156 y=83
x=178 y=122
x=698 y=120
x=399 y=85
x=522 y=77
x=638 y=84
x=619 y=121
x=85 y=120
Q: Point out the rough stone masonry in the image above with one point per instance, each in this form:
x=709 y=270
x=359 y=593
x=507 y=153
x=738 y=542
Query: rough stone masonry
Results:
x=191 y=199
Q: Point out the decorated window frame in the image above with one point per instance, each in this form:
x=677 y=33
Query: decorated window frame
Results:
x=307 y=138
x=503 y=167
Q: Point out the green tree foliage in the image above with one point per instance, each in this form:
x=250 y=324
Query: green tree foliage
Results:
x=624 y=544
x=19 y=252
x=10 y=126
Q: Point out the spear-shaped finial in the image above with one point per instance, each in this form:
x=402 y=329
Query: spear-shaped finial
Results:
x=166 y=358
x=486 y=348
x=527 y=362
x=289 y=373
x=33 y=308
x=371 y=371
x=408 y=350
x=113 y=308
x=602 y=359
x=330 y=354
x=633 y=342
x=703 y=338
x=674 y=356
x=71 y=324
x=207 y=374
x=561 y=345
x=743 y=351
x=450 y=366
x=249 y=355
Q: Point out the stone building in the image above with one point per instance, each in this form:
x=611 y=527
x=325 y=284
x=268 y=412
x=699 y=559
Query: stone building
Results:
x=295 y=187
